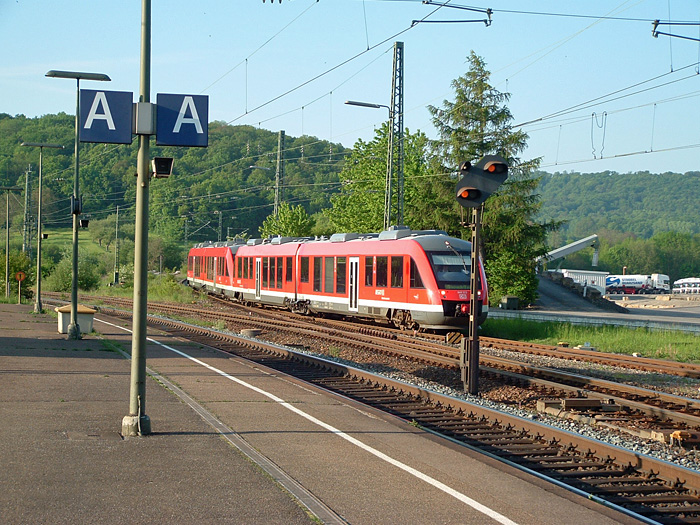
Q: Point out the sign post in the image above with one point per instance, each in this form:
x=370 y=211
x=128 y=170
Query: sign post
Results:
x=181 y=120
x=20 y=276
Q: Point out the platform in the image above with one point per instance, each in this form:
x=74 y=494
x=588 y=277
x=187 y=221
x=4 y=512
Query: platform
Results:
x=242 y=444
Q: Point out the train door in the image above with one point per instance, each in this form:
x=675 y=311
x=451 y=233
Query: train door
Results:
x=353 y=287
x=258 y=276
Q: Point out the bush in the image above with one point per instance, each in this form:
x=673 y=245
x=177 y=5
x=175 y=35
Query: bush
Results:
x=89 y=273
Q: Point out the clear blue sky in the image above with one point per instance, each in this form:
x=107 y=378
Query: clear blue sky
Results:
x=245 y=54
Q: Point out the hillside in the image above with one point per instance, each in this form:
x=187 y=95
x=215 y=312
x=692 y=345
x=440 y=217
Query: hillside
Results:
x=225 y=188
x=642 y=203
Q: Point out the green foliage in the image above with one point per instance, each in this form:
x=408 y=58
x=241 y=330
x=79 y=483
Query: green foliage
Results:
x=18 y=262
x=359 y=207
x=90 y=270
x=167 y=287
x=164 y=253
x=659 y=344
x=475 y=124
x=641 y=203
x=204 y=180
x=511 y=273
x=291 y=221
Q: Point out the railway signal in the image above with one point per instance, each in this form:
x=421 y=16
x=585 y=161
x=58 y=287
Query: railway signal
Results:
x=481 y=180
x=477 y=184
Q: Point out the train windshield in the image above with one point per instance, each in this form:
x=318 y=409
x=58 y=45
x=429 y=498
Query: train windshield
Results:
x=451 y=270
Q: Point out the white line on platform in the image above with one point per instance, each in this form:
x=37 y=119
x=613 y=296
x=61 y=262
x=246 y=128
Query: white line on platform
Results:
x=406 y=468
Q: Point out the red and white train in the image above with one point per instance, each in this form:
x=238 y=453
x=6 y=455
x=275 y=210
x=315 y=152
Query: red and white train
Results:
x=412 y=279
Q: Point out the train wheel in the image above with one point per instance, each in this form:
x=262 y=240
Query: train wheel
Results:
x=403 y=321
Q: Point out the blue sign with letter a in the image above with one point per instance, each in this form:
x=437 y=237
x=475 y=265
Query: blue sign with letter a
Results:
x=105 y=116
x=182 y=120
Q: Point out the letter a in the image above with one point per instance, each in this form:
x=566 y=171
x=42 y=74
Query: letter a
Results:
x=100 y=98
x=188 y=103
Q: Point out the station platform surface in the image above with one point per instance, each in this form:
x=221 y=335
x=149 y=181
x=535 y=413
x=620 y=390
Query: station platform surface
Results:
x=231 y=442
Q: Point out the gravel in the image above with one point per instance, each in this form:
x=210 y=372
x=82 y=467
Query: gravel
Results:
x=448 y=383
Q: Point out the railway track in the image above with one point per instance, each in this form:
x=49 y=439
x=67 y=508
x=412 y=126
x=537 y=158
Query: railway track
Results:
x=653 y=414
x=653 y=491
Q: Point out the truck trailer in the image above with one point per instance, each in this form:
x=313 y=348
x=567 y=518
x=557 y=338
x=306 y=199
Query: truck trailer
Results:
x=656 y=283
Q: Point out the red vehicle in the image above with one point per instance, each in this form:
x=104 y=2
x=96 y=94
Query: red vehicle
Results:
x=412 y=279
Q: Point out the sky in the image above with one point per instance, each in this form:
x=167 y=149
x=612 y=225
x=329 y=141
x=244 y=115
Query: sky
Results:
x=588 y=82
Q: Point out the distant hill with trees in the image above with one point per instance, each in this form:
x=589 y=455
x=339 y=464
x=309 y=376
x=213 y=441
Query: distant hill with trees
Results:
x=641 y=203
x=234 y=178
x=649 y=223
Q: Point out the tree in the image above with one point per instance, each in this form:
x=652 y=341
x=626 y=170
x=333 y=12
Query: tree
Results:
x=291 y=221
x=477 y=123
x=359 y=207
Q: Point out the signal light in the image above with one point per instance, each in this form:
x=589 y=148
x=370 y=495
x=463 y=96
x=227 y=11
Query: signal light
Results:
x=496 y=167
x=480 y=181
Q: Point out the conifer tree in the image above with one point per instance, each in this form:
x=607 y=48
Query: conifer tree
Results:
x=477 y=123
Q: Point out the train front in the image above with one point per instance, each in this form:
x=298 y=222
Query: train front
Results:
x=450 y=261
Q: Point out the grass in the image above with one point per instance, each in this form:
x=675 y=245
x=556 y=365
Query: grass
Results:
x=660 y=344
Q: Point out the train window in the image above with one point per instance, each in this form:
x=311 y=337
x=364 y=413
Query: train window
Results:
x=189 y=264
x=245 y=267
x=304 y=277
x=197 y=265
x=382 y=271
x=280 y=263
x=318 y=266
x=251 y=273
x=210 y=268
x=265 y=267
x=397 y=271
x=341 y=275
x=414 y=276
x=288 y=270
x=451 y=270
x=328 y=263
x=369 y=271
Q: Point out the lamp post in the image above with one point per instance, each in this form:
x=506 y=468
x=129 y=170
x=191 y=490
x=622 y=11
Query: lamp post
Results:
x=73 y=328
x=7 y=190
x=389 y=158
x=38 y=307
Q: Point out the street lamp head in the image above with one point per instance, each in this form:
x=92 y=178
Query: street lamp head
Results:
x=78 y=75
x=365 y=104
x=42 y=145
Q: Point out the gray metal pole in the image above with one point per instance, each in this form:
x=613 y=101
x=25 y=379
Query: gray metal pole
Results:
x=279 y=173
x=73 y=327
x=27 y=234
x=7 y=243
x=116 y=251
x=473 y=340
x=38 y=307
x=8 y=189
x=389 y=170
x=137 y=422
